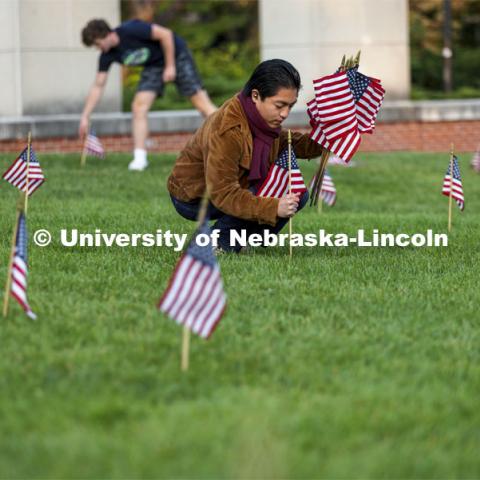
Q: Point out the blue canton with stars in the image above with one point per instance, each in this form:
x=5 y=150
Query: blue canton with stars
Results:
x=358 y=83
x=33 y=157
x=282 y=160
x=203 y=254
x=21 y=241
x=456 y=169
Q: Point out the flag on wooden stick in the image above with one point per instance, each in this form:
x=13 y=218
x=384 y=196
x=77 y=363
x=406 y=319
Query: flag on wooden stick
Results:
x=19 y=269
x=368 y=94
x=276 y=184
x=195 y=297
x=340 y=133
x=454 y=184
x=17 y=172
x=93 y=146
x=328 y=192
x=345 y=106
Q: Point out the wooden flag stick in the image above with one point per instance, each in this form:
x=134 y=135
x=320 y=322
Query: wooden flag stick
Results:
x=290 y=187
x=25 y=206
x=320 y=205
x=357 y=58
x=317 y=184
x=8 y=285
x=185 y=348
x=451 y=190
x=202 y=214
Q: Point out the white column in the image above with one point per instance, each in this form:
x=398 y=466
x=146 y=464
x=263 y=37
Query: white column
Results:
x=10 y=59
x=314 y=35
x=45 y=68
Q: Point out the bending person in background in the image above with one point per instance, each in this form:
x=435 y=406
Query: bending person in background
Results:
x=165 y=58
x=231 y=154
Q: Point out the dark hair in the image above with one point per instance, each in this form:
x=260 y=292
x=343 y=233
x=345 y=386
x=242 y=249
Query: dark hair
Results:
x=271 y=75
x=95 y=29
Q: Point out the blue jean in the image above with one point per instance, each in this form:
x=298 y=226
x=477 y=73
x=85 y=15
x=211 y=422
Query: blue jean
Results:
x=226 y=223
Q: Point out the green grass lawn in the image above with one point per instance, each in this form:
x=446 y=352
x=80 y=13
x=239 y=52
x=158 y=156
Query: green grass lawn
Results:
x=343 y=363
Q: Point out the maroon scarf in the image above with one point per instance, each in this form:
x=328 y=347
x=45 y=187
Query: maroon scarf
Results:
x=263 y=137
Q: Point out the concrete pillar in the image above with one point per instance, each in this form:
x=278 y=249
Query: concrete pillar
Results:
x=10 y=78
x=45 y=68
x=314 y=35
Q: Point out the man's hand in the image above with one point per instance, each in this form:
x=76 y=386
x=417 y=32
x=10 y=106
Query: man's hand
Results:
x=93 y=98
x=288 y=205
x=83 y=128
x=169 y=73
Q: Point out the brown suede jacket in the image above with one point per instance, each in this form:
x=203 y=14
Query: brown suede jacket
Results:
x=219 y=155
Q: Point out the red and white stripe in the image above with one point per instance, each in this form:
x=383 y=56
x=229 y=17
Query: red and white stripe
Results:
x=328 y=191
x=19 y=285
x=456 y=188
x=195 y=297
x=344 y=147
x=94 y=146
x=276 y=184
x=368 y=106
x=312 y=111
x=17 y=175
x=335 y=105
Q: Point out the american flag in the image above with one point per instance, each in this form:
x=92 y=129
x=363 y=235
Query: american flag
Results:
x=276 y=184
x=343 y=139
x=368 y=94
x=335 y=105
x=454 y=185
x=344 y=147
x=476 y=161
x=195 y=297
x=93 y=146
x=17 y=173
x=328 y=192
x=19 y=267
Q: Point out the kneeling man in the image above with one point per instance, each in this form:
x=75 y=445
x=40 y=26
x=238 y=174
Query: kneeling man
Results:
x=232 y=152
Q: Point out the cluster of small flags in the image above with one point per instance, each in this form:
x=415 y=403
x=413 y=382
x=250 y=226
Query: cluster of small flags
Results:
x=26 y=174
x=276 y=184
x=345 y=106
x=195 y=296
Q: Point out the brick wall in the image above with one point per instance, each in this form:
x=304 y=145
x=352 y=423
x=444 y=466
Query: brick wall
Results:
x=407 y=136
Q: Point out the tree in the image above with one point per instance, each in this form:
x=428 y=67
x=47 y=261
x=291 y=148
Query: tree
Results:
x=426 y=40
x=222 y=34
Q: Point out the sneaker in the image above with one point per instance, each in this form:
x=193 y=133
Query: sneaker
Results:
x=138 y=165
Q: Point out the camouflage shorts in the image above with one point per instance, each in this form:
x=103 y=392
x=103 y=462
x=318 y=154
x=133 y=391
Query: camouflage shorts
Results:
x=187 y=81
